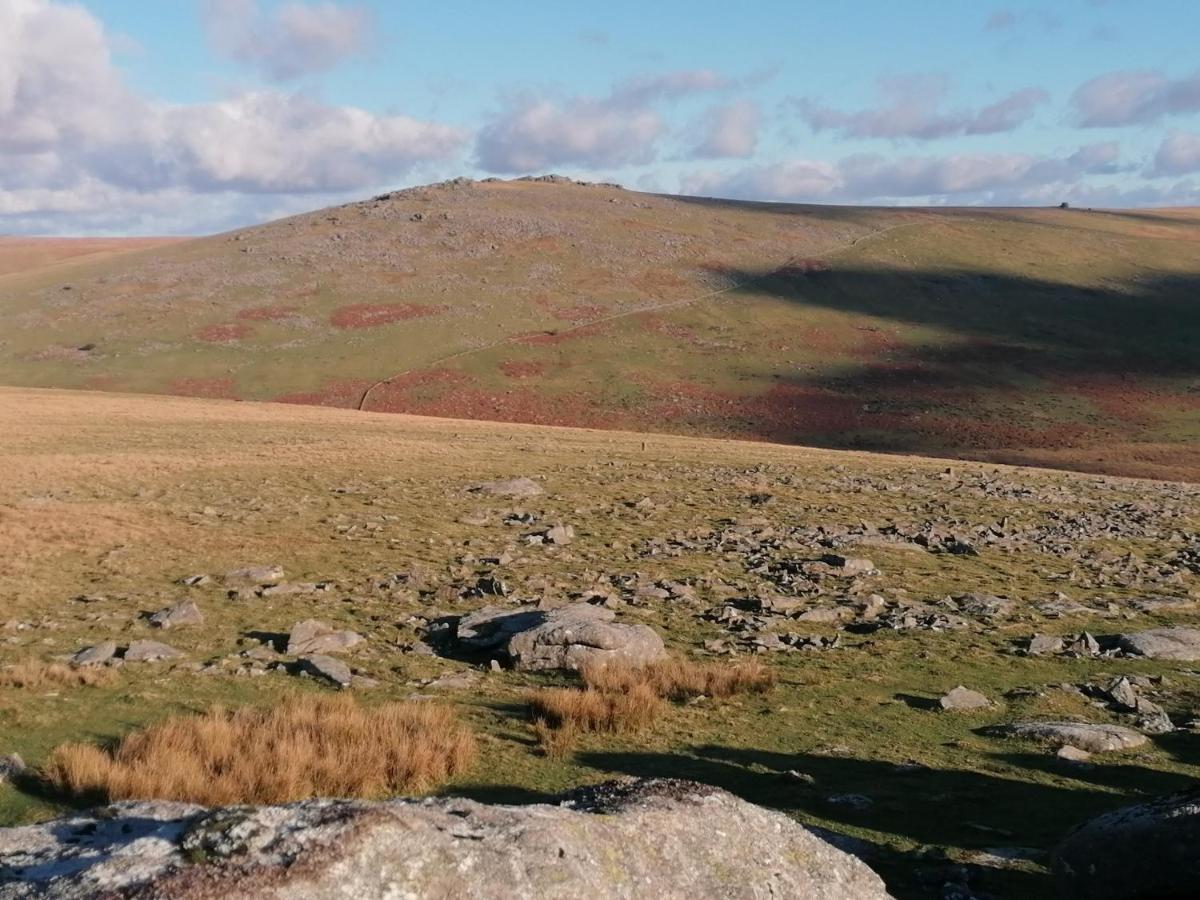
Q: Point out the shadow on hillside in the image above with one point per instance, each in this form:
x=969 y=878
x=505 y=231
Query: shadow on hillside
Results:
x=1096 y=359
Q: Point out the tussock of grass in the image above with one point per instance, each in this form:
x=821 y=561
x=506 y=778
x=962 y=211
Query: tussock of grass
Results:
x=312 y=746
x=38 y=674
x=592 y=710
x=678 y=679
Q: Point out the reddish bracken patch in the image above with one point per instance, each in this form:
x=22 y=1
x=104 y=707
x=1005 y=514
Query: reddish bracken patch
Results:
x=343 y=393
x=211 y=388
x=224 y=332
x=518 y=368
x=372 y=315
x=267 y=313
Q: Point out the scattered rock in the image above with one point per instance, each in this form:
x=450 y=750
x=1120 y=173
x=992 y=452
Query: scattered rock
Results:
x=581 y=634
x=1072 y=754
x=327 y=667
x=511 y=487
x=1083 y=735
x=11 y=766
x=1163 y=643
x=1044 y=643
x=659 y=837
x=850 y=566
x=183 y=613
x=962 y=699
x=559 y=534
x=150 y=651
x=95 y=656
x=311 y=636
x=1147 y=850
x=255 y=575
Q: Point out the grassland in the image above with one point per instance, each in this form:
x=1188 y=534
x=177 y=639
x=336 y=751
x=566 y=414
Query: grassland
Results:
x=108 y=501
x=1062 y=338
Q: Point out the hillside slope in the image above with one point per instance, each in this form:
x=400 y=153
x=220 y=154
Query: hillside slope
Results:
x=115 y=506
x=1058 y=337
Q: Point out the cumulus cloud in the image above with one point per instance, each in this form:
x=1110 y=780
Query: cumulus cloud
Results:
x=728 y=130
x=986 y=177
x=1134 y=97
x=911 y=108
x=293 y=40
x=532 y=133
x=74 y=136
x=1178 y=154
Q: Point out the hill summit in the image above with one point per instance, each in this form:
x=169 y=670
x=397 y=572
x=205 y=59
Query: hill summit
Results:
x=1060 y=337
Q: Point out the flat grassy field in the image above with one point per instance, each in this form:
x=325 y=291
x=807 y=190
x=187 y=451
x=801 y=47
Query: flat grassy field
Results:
x=1060 y=338
x=108 y=501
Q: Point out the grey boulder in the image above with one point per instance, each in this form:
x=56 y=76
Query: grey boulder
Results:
x=962 y=699
x=311 y=636
x=1147 y=850
x=1083 y=735
x=183 y=613
x=656 y=838
x=328 y=669
x=95 y=656
x=255 y=575
x=1163 y=643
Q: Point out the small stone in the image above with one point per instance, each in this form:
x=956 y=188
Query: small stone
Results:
x=559 y=534
x=850 y=566
x=511 y=487
x=255 y=575
x=11 y=767
x=1044 y=643
x=1072 y=754
x=962 y=699
x=332 y=670
x=183 y=613
x=150 y=651
x=94 y=656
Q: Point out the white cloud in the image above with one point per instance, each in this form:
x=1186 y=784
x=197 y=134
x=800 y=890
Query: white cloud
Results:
x=531 y=133
x=1179 y=154
x=728 y=130
x=911 y=108
x=973 y=178
x=1134 y=97
x=74 y=137
x=293 y=40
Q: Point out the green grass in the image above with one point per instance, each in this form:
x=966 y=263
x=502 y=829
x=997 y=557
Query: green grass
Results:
x=122 y=496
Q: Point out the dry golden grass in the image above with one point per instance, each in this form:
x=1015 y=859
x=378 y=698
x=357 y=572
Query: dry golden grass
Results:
x=38 y=674
x=309 y=746
x=677 y=679
x=591 y=710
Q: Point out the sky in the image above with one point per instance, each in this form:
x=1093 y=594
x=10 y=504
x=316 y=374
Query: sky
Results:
x=197 y=116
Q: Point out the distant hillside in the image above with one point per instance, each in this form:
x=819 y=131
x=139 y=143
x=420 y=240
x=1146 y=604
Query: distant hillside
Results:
x=1057 y=337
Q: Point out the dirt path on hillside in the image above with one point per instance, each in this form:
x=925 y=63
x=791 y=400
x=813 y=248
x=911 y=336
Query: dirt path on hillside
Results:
x=658 y=307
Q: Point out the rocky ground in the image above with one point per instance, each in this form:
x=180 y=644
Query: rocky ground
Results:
x=971 y=659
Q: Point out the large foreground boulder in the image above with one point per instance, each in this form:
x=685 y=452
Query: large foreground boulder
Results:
x=570 y=637
x=1147 y=850
x=654 y=838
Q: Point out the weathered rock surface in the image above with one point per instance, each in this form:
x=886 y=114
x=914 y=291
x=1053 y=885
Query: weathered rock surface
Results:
x=328 y=668
x=1163 y=643
x=183 y=613
x=96 y=655
x=1083 y=735
x=311 y=636
x=1147 y=850
x=508 y=487
x=655 y=838
x=569 y=637
x=255 y=575
x=963 y=699
x=11 y=766
x=150 y=651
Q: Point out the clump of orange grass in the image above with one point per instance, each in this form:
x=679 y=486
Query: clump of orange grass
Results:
x=308 y=746
x=677 y=679
x=619 y=698
x=38 y=674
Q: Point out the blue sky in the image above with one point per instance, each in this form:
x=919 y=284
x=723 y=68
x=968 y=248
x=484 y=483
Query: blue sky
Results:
x=124 y=116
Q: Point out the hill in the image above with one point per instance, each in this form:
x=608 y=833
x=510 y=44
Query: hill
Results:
x=1054 y=337
x=116 y=506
